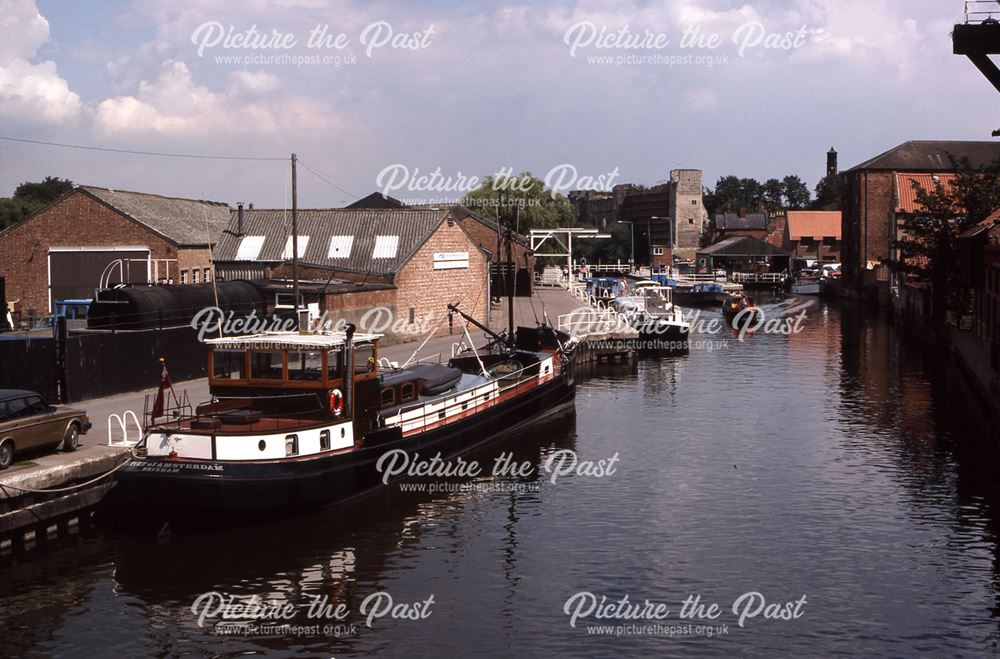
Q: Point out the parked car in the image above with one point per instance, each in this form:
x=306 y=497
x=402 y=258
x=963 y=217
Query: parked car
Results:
x=28 y=422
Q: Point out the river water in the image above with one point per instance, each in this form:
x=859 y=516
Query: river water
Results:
x=831 y=465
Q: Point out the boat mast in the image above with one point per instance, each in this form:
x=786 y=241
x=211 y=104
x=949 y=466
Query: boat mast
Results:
x=510 y=287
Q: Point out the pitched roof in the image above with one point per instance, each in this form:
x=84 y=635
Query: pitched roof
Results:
x=813 y=224
x=932 y=156
x=377 y=200
x=735 y=222
x=181 y=221
x=742 y=246
x=985 y=225
x=376 y=241
x=906 y=194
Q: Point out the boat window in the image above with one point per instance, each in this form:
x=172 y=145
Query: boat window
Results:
x=407 y=392
x=228 y=364
x=265 y=365
x=305 y=366
x=292 y=445
x=388 y=397
x=324 y=440
x=364 y=358
x=334 y=364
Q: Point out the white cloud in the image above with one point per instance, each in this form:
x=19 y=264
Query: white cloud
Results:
x=33 y=92
x=174 y=105
x=255 y=81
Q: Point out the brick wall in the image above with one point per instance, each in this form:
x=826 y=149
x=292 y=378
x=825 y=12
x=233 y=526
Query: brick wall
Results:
x=486 y=237
x=428 y=291
x=190 y=259
x=867 y=222
x=76 y=220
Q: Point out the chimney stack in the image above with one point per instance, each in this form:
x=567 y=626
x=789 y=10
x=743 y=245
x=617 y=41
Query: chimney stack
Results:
x=239 y=218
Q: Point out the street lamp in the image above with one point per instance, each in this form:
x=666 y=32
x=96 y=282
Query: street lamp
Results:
x=631 y=260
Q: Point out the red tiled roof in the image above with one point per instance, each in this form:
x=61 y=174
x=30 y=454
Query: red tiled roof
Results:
x=813 y=224
x=906 y=195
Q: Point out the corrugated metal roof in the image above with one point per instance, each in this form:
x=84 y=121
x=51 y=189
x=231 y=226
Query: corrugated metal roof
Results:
x=344 y=239
x=182 y=221
x=813 y=224
x=742 y=246
x=906 y=195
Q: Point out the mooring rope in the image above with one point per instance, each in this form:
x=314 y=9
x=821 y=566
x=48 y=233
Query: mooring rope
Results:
x=71 y=487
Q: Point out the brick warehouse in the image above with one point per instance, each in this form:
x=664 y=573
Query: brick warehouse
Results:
x=412 y=262
x=61 y=251
x=875 y=193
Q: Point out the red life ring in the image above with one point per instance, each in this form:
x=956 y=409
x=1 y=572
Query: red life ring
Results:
x=336 y=402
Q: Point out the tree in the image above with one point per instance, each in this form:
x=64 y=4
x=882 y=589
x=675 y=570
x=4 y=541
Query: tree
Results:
x=29 y=197
x=796 y=193
x=926 y=243
x=774 y=190
x=829 y=191
x=520 y=202
x=733 y=194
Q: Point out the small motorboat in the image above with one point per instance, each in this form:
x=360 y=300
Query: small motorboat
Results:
x=651 y=311
x=807 y=283
x=699 y=294
x=738 y=308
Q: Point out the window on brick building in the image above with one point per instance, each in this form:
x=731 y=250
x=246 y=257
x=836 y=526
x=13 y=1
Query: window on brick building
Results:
x=694 y=202
x=690 y=220
x=413 y=315
x=184 y=276
x=207 y=275
x=657 y=251
x=195 y=276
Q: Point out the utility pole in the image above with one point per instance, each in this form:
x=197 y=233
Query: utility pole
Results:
x=295 y=241
x=511 y=283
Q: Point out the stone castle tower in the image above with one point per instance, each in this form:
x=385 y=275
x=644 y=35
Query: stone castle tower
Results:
x=687 y=208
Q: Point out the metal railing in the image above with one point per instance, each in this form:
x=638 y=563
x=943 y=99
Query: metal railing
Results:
x=466 y=400
x=758 y=277
x=978 y=11
x=121 y=421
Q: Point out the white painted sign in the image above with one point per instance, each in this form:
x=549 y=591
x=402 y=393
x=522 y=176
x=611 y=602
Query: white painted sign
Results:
x=451 y=260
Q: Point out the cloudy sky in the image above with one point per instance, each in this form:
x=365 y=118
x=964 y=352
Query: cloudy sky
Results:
x=470 y=88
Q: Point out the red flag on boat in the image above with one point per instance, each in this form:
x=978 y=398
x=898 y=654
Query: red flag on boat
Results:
x=164 y=385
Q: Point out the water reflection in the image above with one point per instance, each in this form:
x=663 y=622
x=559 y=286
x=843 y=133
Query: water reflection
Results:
x=831 y=463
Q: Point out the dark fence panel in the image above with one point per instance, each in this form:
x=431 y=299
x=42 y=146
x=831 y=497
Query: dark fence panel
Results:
x=29 y=363
x=107 y=364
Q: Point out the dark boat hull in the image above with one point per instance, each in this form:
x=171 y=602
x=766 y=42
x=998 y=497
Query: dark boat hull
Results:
x=205 y=490
x=693 y=299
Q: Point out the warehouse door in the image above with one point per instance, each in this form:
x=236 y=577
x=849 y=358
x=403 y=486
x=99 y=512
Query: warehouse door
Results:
x=75 y=272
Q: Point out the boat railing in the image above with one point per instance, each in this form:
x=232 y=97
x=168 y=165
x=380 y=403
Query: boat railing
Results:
x=213 y=419
x=442 y=409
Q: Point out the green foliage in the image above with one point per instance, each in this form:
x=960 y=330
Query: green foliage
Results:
x=829 y=192
x=926 y=244
x=29 y=197
x=606 y=250
x=520 y=202
x=733 y=195
x=796 y=193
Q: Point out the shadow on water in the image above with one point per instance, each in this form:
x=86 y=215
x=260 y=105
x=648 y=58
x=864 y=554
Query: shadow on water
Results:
x=339 y=554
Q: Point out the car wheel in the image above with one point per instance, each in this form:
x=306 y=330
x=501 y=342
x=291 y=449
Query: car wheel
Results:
x=6 y=454
x=72 y=439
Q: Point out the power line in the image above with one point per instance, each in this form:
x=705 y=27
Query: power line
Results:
x=328 y=181
x=137 y=153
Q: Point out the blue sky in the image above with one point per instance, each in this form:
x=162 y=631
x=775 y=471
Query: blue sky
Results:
x=493 y=85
